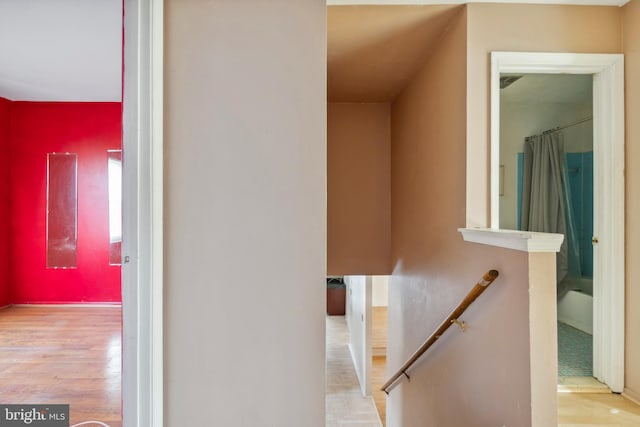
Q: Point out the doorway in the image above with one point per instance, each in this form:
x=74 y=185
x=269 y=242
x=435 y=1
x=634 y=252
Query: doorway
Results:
x=62 y=90
x=65 y=293
x=608 y=194
x=142 y=250
x=546 y=166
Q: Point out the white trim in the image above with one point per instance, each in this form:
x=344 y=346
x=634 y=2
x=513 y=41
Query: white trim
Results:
x=367 y=363
x=526 y=241
x=441 y=2
x=608 y=226
x=157 y=210
x=359 y=373
x=363 y=366
x=628 y=394
x=142 y=374
x=373 y=402
x=608 y=104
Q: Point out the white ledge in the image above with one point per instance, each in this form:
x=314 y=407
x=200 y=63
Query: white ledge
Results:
x=526 y=241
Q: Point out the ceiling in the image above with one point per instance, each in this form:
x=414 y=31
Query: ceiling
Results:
x=61 y=50
x=549 y=89
x=71 y=50
x=373 y=51
x=374 y=48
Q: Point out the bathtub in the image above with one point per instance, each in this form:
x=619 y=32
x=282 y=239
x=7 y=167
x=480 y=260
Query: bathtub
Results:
x=575 y=308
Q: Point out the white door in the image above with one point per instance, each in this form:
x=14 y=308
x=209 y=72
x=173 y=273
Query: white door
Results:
x=608 y=121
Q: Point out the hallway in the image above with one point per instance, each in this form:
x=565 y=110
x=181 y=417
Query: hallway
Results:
x=344 y=402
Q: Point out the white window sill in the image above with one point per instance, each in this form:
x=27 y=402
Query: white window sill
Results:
x=526 y=241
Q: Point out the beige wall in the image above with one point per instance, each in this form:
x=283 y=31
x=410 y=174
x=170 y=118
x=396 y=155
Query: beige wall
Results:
x=481 y=377
x=631 y=14
x=245 y=159
x=568 y=29
x=358 y=194
x=517 y=27
x=500 y=28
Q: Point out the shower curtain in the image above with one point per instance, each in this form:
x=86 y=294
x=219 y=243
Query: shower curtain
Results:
x=545 y=195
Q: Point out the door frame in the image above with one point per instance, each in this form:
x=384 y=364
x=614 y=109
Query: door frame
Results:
x=608 y=142
x=142 y=267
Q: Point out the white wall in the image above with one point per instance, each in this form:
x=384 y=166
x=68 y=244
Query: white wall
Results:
x=359 y=322
x=517 y=121
x=380 y=291
x=245 y=213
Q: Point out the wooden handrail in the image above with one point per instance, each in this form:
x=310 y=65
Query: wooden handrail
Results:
x=478 y=289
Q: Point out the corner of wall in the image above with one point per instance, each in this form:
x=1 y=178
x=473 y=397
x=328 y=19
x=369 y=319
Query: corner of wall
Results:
x=543 y=335
x=5 y=253
x=631 y=49
x=434 y=268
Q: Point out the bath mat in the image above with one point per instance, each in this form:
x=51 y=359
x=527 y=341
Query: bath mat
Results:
x=575 y=352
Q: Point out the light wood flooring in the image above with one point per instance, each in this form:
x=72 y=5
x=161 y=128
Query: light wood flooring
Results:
x=596 y=409
x=73 y=355
x=379 y=365
x=378 y=378
x=379 y=331
x=345 y=405
x=65 y=355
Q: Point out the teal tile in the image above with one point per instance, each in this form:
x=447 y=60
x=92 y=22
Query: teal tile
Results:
x=575 y=352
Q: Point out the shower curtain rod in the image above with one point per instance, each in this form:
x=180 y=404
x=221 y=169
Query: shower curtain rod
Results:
x=577 y=122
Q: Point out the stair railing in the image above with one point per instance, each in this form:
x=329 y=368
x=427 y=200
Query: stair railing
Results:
x=453 y=318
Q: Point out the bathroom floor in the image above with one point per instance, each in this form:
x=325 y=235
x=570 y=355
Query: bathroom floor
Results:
x=575 y=352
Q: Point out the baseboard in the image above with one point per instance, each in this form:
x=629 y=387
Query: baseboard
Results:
x=373 y=402
x=5 y=307
x=356 y=366
x=632 y=396
x=73 y=305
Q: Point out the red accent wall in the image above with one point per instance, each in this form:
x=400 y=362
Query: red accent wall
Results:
x=38 y=128
x=4 y=201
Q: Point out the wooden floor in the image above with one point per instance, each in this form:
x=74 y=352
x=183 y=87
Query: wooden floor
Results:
x=379 y=377
x=379 y=365
x=379 y=331
x=72 y=356
x=596 y=409
x=345 y=405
